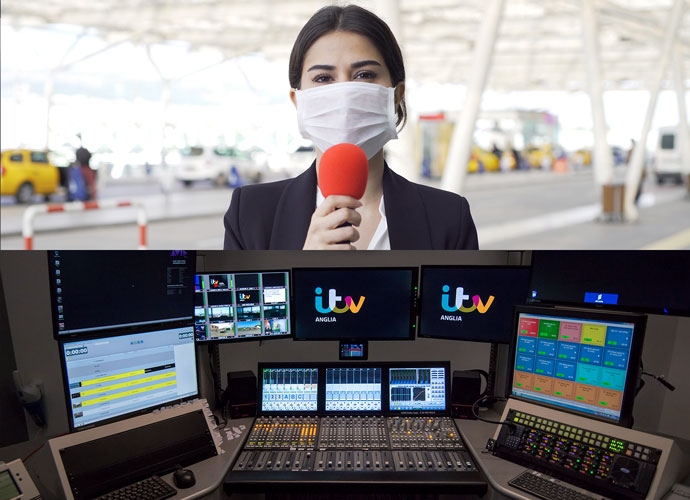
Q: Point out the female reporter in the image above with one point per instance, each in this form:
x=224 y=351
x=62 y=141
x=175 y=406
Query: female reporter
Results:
x=348 y=85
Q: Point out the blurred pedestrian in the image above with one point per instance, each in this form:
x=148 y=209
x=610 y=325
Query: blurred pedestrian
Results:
x=83 y=162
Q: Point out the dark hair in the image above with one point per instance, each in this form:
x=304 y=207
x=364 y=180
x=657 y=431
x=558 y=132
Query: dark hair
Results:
x=354 y=19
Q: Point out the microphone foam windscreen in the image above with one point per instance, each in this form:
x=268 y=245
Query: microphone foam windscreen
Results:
x=343 y=170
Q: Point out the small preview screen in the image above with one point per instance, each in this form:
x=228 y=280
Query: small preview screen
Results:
x=111 y=377
x=471 y=303
x=573 y=363
x=106 y=291
x=353 y=389
x=355 y=304
x=289 y=389
x=236 y=306
x=417 y=389
x=8 y=488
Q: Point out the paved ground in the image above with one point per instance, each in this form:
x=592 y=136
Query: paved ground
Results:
x=517 y=210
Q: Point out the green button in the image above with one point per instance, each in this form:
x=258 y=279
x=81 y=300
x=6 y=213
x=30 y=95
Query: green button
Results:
x=558 y=393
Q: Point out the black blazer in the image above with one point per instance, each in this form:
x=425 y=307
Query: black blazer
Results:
x=276 y=215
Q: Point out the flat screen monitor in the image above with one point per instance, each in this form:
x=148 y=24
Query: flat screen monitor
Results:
x=581 y=361
x=355 y=303
x=472 y=303
x=113 y=377
x=353 y=389
x=234 y=306
x=418 y=387
x=97 y=292
x=288 y=389
x=654 y=282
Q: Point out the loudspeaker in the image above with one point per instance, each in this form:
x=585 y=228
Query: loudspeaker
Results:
x=240 y=394
x=466 y=390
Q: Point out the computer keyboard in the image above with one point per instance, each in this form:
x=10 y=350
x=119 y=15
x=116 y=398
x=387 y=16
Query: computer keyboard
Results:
x=543 y=486
x=153 y=488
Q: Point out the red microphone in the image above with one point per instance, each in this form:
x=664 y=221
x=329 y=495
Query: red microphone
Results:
x=343 y=170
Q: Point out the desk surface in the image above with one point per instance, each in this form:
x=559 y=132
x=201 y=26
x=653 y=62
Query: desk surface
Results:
x=210 y=473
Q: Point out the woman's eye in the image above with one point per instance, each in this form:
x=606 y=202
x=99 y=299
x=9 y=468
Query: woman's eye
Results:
x=365 y=75
x=323 y=78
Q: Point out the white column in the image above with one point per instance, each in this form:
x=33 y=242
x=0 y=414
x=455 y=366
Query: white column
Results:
x=461 y=141
x=683 y=135
x=400 y=153
x=603 y=161
x=637 y=160
x=48 y=92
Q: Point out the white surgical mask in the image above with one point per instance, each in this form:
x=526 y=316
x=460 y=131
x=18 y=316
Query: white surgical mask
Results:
x=358 y=113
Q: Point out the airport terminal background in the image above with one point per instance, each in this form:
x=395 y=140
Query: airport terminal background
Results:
x=26 y=327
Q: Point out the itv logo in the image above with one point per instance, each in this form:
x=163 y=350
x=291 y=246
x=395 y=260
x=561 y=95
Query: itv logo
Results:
x=333 y=299
x=460 y=298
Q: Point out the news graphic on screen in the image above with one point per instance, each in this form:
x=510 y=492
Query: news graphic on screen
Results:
x=112 y=377
x=289 y=389
x=241 y=306
x=355 y=303
x=586 y=363
x=637 y=280
x=473 y=303
x=353 y=389
x=418 y=388
x=102 y=291
x=353 y=351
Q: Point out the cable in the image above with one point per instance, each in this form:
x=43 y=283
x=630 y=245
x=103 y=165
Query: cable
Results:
x=493 y=399
x=662 y=380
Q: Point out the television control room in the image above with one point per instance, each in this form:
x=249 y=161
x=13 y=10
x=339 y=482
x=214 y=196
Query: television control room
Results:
x=404 y=374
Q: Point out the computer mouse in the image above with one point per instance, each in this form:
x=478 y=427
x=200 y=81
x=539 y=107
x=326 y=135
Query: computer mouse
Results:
x=184 y=478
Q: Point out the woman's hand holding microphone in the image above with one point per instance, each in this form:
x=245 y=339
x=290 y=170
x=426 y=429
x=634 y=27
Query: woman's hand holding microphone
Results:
x=343 y=173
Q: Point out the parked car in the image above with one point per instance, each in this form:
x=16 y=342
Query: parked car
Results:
x=482 y=160
x=26 y=173
x=667 y=163
x=200 y=163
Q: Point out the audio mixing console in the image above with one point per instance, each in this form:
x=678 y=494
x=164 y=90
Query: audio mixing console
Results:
x=373 y=445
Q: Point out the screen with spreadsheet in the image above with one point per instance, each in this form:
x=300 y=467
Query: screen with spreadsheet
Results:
x=113 y=377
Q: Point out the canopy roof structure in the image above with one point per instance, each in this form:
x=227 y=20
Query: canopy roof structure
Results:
x=539 y=45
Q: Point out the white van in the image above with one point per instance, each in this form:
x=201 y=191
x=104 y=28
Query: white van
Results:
x=667 y=162
x=199 y=163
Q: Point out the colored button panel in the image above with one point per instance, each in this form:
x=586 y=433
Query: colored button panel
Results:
x=590 y=354
x=546 y=348
x=526 y=345
x=594 y=334
x=570 y=332
x=548 y=329
x=568 y=351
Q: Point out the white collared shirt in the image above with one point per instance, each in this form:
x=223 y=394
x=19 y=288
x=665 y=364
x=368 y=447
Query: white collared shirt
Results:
x=380 y=240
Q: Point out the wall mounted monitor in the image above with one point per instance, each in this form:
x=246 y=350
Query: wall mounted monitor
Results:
x=234 y=306
x=654 y=282
x=471 y=302
x=581 y=361
x=358 y=351
x=97 y=292
x=113 y=377
x=355 y=303
x=418 y=387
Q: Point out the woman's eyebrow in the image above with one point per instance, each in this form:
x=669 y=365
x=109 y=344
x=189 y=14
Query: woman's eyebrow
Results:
x=368 y=62
x=326 y=67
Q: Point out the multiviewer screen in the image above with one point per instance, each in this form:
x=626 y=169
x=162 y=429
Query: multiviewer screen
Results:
x=353 y=389
x=110 y=377
x=236 y=306
x=417 y=388
x=573 y=363
x=289 y=389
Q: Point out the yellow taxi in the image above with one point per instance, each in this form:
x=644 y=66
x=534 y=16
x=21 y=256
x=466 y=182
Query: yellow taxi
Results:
x=25 y=173
x=487 y=159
